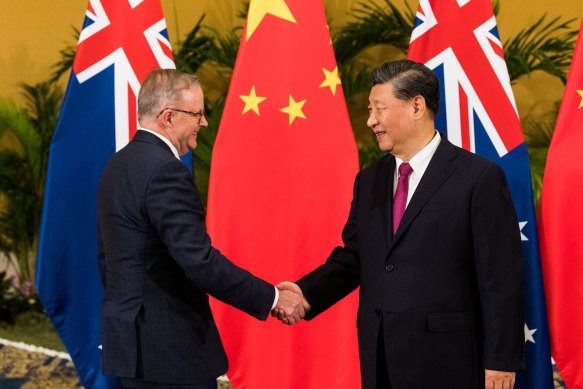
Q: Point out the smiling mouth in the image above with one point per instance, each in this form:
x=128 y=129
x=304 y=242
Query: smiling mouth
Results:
x=379 y=133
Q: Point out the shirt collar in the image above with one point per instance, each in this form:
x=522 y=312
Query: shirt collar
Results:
x=420 y=160
x=165 y=140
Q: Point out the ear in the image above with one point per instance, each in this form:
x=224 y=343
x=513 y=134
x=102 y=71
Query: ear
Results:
x=419 y=107
x=165 y=119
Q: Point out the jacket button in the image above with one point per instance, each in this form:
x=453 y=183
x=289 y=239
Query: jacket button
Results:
x=377 y=311
x=389 y=267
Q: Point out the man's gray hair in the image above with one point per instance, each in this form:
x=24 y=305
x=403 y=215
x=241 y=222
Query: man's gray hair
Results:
x=409 y=79
x=162 y=89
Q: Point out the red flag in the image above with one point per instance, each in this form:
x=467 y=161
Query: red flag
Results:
x=281 y=181
x=561 y=230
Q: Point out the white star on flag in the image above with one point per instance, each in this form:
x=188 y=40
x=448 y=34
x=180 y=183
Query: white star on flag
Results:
x=522 y=236
x=528 y=334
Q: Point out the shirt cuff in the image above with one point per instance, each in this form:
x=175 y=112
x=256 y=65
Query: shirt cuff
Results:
x=275 y=299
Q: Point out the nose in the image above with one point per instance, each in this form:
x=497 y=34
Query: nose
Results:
x=372 y=120
x=203 y=123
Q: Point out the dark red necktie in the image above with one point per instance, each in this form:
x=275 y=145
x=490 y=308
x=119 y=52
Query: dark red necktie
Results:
x=400 y=200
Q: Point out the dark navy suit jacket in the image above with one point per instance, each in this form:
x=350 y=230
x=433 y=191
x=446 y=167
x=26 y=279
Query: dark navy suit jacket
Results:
x=447 y=287
x=158 y=268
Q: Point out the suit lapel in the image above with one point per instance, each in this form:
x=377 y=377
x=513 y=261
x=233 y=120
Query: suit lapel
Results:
x=438 y=170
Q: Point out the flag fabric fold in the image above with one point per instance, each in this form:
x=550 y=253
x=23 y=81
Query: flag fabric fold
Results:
x=121 y=41
x=459 y=41
x=282 y=172
x=561 y=229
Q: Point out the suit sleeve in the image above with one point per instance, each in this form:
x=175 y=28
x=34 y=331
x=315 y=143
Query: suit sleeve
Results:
x=174 y=207
x=498 y=256
x=100 y=255
x=340 y=274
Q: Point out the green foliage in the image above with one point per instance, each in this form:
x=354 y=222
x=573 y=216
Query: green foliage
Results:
x=202 y=155
x=224 y=53
x=19 y=172
x=15 y=299
x=538 y=133
x=543 y=46
x=194 y=50
x=65 y=63
x=373 y=25
x=23 y=171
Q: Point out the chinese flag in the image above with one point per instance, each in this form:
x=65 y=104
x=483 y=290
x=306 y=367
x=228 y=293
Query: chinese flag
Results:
x=283 y=168
x=561 y=230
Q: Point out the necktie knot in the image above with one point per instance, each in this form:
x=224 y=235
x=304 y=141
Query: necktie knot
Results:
x=404 y=170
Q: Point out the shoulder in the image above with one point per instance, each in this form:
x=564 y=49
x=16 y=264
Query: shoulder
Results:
x=465 y=160
x=383 y=166
x=144 y=152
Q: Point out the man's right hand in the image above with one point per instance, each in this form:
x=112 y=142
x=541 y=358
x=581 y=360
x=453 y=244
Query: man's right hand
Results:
x=291 y=306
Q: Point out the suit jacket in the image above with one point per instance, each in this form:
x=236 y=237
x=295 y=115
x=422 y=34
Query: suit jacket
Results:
x=157 y=266
x=447 y=287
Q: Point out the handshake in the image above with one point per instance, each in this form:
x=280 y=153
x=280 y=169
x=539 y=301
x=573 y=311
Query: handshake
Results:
x=291 y=306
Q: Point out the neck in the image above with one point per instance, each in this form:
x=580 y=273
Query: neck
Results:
x=418 y=145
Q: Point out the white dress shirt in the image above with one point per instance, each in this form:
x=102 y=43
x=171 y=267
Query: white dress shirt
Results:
x=419 y=164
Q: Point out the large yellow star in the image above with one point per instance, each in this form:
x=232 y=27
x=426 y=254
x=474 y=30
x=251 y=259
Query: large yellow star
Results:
x=252 y=101
x=332 y=80
x=294 y=109
x=259 y=8
x=580 y=94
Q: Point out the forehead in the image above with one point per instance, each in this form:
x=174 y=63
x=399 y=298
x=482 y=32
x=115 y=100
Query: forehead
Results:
x=193 y=97
x=382 y=94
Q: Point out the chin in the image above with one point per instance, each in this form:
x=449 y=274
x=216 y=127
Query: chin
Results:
x=385 y=148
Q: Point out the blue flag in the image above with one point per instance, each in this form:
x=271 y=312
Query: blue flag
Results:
x=459 y=40
x=120 y=43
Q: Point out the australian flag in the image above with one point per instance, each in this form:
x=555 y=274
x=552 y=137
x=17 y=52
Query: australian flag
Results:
x=120 y=43
x=459 y=40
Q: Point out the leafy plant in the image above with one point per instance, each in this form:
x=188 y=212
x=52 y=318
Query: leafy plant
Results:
x=65 y=63
x=23 y=171
x=373 y=24
x=543 y=46
x=538 y=132
x=195 y=49
x=202 y=155
x=16 y=298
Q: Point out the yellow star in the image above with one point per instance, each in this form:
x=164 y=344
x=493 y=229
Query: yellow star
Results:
x=580 y=94
x=294 y=109
x=259 y=8
x=331 y=80
x=252 y=101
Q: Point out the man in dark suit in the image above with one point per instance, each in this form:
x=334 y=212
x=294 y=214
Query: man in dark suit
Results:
x=155 y=257
x=433 y=241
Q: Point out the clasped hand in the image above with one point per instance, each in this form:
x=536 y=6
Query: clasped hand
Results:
x=291 y=306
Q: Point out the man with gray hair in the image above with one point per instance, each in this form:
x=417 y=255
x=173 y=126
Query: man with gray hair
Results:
x=433 y=241
x=155 y=258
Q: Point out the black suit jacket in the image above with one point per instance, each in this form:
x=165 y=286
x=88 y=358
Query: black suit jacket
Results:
x=157 y=265
x=447 y=287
